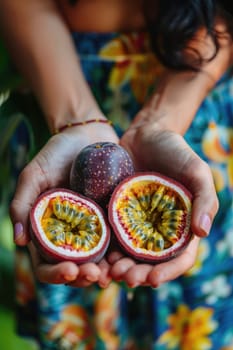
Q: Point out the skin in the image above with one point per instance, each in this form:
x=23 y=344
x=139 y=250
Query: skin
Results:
x=157 y=130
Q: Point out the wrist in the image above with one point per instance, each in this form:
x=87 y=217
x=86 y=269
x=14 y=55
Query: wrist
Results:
x=81 y=123
x=92 y=130
x=70 y=109
x=60 y=121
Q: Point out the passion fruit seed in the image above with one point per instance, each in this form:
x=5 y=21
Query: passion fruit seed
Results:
x=150 y=216
x=153 y=216
x=71 y=225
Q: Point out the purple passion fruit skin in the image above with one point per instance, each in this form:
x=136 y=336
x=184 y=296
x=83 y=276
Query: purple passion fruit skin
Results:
x=66 y=226
x=98 y=169
x=150 y=215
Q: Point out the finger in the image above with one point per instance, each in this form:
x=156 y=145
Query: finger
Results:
x=105 y=278
x=121 y=267
x=60 y=273
x=114 y=256
x=89 y=272
x=205 y=203
x=174 y=268
x=28 y=189
x=79 y=283
x=21 y=237
x=137 y=275
x=199 y=181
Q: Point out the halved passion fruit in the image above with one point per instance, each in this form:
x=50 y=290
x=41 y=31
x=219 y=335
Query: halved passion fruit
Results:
x=68 y=226
x=150 y=215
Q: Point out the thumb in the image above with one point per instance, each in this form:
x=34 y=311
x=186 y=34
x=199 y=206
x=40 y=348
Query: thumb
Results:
x=20 y=224
x=205 y=201
x=27 y=190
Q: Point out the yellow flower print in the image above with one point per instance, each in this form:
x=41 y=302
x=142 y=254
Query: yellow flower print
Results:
x=106 y=313
x=25 y=287
x=202 y=254
x=189 y=329
x=218 y=177
x=73 y=329
x=127 y=44
x=134 y=64
x=217 y=145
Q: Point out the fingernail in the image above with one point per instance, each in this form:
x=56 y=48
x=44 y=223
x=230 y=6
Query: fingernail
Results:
x=155 y=285
x=18 y=231
x=103 y=285
x=90 y=278
x=205 y=224
x=69 y=277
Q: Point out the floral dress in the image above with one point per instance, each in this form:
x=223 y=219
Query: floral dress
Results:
x=193 y=312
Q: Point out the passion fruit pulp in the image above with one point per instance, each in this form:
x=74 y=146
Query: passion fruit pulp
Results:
x=150 y=215
x=68 y=226
x=98 y=168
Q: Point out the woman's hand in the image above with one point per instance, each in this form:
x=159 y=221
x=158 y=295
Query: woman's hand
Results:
x=68 y=272
x=50 y=168
x=135 y=274
x=164 y=151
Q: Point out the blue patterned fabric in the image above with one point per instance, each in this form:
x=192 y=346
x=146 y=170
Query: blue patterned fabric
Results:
x=193 y=312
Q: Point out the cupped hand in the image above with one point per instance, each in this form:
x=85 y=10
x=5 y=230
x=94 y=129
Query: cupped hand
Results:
x=68 y=272
x=134 y=273
x=49 y=169
x=164 y=151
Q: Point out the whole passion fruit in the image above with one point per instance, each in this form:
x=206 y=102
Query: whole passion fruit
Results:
x=98 y=168
x=68 y=226
x=150 y=215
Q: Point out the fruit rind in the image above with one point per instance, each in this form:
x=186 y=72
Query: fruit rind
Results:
x=54 y=253
x=98 y=168
x=123 y=237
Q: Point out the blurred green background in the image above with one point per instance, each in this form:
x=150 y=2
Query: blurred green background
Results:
x=9 y=80
x=17 y=106
x=8 y=339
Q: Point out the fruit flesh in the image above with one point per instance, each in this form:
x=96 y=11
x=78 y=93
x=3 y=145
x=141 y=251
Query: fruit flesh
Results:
x=71 y=225
x=68 y=226
x=150 y=215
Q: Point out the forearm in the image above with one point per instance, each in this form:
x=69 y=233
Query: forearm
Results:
x=41 y=47
x=180 y=94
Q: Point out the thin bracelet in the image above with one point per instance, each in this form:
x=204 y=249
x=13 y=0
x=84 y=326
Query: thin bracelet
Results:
x=69 y=125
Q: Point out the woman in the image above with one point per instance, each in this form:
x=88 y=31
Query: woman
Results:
x=115 y=76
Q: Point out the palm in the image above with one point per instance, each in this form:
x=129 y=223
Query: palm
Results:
x=168 y=153
x=51 y=168
x=162 y=151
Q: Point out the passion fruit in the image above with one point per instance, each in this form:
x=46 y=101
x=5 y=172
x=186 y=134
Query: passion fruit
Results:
x=150 y=215
x=68 y=226
x=98 y=168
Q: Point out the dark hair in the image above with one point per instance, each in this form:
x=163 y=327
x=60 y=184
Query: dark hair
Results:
x=72 y=2
x=173 y=23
